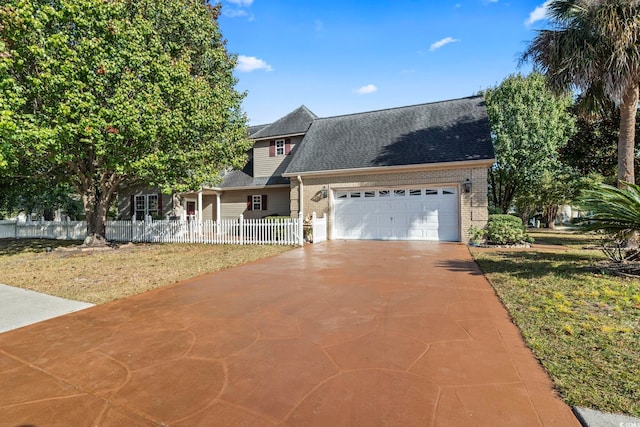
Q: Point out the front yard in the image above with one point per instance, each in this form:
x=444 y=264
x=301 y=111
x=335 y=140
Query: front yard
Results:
x=102 y=276
x=582 y=323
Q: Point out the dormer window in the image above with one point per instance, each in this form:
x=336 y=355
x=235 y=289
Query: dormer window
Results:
x=279 y=147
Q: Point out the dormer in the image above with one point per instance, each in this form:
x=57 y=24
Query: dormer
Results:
x=275 y=142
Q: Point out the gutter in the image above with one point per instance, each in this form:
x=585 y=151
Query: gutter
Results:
x=403 y=168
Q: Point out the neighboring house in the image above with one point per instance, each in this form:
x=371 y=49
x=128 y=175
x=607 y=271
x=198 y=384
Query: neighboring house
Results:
x=410 y=173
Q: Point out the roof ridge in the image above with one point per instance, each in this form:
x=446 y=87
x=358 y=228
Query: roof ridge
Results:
x=399 y=108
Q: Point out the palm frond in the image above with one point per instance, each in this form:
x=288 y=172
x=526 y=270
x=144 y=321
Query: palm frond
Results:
x=612 y=210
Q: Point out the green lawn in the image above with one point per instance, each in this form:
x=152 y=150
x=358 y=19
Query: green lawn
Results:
x=104 y=276
x=582 y=323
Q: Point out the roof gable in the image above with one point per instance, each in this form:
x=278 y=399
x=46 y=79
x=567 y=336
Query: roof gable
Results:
x=447 y=131
x=296 y=122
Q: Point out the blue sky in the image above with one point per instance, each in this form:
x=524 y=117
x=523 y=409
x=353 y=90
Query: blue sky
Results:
x=341 y=57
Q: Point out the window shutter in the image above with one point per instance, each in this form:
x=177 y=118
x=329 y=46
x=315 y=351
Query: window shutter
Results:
x=272 y=148
x=287 y=146
x=132 y=202
x=264 y=202
x=159 y=205
x=249 y=203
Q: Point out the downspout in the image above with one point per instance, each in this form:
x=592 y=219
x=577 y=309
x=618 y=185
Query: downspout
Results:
x=300 y=211
x=300 y=192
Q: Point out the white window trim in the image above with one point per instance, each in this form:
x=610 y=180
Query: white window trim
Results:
x=280 y=147
x=145 y=209
x=256 y=202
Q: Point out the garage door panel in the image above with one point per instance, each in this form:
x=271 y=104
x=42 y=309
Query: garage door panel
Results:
x=398 y=214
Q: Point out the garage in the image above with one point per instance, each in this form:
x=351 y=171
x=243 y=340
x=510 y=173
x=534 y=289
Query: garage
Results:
x=423 y=213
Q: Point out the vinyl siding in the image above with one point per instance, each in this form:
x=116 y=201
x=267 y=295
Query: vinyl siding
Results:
x=124 y=202
x=234 y=203
x=263 y=165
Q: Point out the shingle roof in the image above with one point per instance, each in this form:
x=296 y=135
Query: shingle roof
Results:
x=244 y=178
x=296 y=122
x=253 y=129
x=446 y=131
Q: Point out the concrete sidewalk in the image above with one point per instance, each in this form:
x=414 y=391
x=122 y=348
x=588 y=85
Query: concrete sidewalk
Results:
x=21 y=307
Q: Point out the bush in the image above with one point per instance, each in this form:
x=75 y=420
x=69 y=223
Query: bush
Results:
x=506 y=230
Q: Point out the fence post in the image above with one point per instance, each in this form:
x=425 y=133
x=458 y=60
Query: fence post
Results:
x=300 y=229
x=241 y=229
x=314 y=226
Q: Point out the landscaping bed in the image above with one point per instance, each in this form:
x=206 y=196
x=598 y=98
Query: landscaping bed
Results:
x=54 y=268
x=581 y=321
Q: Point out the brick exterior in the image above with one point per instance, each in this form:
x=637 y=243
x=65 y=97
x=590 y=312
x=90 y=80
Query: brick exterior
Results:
x=473 y=205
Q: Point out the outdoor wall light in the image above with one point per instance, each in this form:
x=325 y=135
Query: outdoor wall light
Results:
x=324 y=192
x=467 y=185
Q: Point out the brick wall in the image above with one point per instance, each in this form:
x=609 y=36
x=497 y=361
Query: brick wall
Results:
x=473 y=205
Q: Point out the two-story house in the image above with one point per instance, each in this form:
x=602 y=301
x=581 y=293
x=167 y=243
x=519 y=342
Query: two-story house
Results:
x=409 y=173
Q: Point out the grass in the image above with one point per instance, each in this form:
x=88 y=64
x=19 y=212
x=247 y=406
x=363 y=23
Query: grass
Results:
x=582 y=323
x=102 y=276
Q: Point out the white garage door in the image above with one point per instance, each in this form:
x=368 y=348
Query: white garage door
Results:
x=427 y=213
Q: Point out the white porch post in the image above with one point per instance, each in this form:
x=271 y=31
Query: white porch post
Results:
x=200 y=205
x=218 y=214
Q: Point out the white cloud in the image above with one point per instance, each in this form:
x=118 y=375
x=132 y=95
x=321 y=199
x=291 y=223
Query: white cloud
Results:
x=241 y=3
x=246 y=64
x=440 y=43
x=538 y=14
x=234 y=13
x=364 y=90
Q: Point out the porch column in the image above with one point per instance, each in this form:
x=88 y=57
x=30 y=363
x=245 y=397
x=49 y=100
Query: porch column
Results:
x=218 y=214
x=200 y=205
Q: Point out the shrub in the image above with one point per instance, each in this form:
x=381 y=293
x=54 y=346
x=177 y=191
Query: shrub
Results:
x=506 y=230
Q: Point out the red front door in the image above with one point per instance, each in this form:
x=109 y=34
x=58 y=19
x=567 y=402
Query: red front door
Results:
x=191 y=210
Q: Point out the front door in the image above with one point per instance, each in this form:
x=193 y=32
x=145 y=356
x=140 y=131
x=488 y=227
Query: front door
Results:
x=191 y=210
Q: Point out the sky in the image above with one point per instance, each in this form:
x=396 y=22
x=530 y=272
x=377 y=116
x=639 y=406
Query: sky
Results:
x=351 y=56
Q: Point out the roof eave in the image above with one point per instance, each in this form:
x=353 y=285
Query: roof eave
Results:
x=402 y=168
x=289 y=135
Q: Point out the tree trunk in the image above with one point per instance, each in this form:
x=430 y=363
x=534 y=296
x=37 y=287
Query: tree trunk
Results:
x=550 y=214
x=97 y=196
x=96 y=214
x=626 y=140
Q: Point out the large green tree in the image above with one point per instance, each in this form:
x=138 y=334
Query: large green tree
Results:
x=101 y=93
x=594 y=46
x=592 y=149
x=528 y=123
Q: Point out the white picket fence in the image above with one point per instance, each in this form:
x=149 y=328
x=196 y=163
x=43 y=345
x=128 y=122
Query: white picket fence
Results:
x=241 y=231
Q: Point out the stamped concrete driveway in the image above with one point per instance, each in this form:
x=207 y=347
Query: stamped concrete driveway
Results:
x=336 y=334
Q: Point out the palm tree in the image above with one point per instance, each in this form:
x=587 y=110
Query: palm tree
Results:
x=594 y=47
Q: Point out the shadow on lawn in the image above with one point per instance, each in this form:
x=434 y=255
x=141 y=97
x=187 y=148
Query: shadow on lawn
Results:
x=532 y=264
x=18 y=246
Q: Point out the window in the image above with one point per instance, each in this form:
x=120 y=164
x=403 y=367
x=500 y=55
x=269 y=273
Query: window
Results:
x=383 y=193
x=398 y=193
x=354 y=194
x=146 y=205
x=415 y=192
x=448 y=191
x=369 y=194
x=257 y=202
x=430 y=192
x=341 y=195
x=280 y=147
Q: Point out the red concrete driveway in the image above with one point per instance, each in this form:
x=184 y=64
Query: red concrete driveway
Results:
x=336 y=334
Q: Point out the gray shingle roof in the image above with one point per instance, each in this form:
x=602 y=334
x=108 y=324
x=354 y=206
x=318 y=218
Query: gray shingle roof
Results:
x=244 y=178
x=296 y=122
x=446 y=131
x=253 y=129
